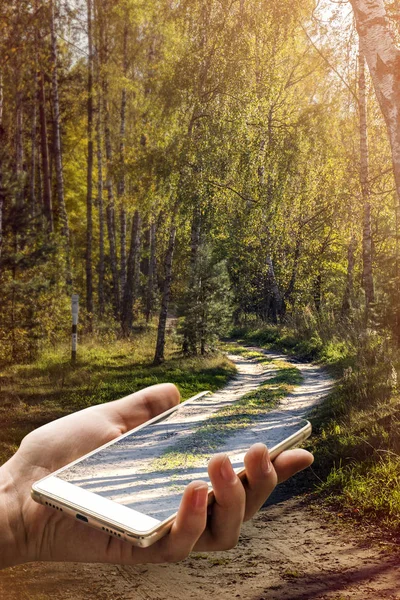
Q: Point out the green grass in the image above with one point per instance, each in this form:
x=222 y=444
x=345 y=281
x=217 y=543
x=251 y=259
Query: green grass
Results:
x=238 y=350
x=222 y=424
x=309 y=345
x=32 y=395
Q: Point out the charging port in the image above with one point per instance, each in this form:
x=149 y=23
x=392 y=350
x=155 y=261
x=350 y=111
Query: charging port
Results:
x=82 y=518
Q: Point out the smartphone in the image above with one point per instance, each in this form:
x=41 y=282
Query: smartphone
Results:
x=131 y=487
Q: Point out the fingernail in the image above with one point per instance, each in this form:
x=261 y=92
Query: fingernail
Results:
x=266 y=464
x=227 y=473
x=199 y=496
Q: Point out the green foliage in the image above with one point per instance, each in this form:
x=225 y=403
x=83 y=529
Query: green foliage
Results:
x=206 y=307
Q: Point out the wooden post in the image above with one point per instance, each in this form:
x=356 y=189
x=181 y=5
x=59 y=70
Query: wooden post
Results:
x=75 y=312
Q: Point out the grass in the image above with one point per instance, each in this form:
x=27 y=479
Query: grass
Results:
x=32 y=395
x=201 y=444
x=356 y=441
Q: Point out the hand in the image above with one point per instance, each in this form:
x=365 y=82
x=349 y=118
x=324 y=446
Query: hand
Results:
x=29 y=531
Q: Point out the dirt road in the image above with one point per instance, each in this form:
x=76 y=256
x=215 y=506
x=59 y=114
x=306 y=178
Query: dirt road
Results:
x=288 y=552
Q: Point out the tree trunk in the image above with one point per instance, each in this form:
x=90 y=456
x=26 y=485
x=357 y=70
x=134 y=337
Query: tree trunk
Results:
x=57 y=135
x=2 y=190
x=110 y=211
x=317 y=292
x=292 y=283
x=349 y=289
x=19 y=152
x=275 y=302
x=32 y=178
x=151 y=272
x=191 y=332
x=122 y=260
x=162 y=323
x=367 y=276
x=89 y=196
x=1 y=99
x=383 y=59
x=46 y=180
x=132 y=277
x=100 y=202
x=121 y=182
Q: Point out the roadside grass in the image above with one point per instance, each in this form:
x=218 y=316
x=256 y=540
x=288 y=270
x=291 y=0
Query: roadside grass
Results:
x=34 y=394
x=238 y=350
x=356 y=440
x=225 y=422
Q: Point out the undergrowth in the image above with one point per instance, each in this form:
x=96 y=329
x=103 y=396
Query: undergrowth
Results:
x=32 y=395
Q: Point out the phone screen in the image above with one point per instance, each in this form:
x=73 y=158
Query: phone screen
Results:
x=147 y=470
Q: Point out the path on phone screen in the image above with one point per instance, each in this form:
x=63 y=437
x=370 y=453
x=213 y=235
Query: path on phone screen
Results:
x=289 y=551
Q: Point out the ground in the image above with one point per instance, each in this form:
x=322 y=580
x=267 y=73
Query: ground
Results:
x=290 y=551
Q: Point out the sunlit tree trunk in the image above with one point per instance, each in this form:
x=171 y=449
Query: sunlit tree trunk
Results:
x=383 y=59
x=89 y=193
x=368 y=281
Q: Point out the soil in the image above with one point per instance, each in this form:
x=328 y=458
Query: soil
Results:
x=292 y=550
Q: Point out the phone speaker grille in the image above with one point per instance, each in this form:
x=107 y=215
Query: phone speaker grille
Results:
x=111 y=532
x=54 y=506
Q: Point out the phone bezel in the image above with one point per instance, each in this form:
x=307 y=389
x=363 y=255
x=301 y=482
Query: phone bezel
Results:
x=51 y=489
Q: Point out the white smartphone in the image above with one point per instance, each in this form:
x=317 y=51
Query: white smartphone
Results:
x=131 y=487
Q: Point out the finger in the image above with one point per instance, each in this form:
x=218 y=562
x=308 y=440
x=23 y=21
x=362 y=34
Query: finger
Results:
x=83 y=431
x=135 y=409
x=291 y=462
x=261 y=478
x=188 y=526
x=228 y=509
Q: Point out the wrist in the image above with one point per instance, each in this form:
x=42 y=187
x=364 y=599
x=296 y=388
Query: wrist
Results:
x=12 y=537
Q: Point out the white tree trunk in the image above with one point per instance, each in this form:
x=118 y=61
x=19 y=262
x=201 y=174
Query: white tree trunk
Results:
x=367 y=277
x=383 y=59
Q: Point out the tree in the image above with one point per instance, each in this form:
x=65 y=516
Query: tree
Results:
x=368 y=282
x=89 y=194
x=383 y=59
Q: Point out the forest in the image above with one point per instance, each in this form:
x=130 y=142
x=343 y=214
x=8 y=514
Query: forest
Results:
x=195 y=171
x=216 y=162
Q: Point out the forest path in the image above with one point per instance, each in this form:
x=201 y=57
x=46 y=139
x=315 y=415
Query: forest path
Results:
x=287 y=552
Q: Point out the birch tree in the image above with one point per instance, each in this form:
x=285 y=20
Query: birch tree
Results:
x=383 y=58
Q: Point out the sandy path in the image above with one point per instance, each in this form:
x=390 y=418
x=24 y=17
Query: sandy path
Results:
x=288 y=552
x=127 y=472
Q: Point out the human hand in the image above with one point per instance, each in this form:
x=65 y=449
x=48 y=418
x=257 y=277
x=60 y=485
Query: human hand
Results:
x=29 y=531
